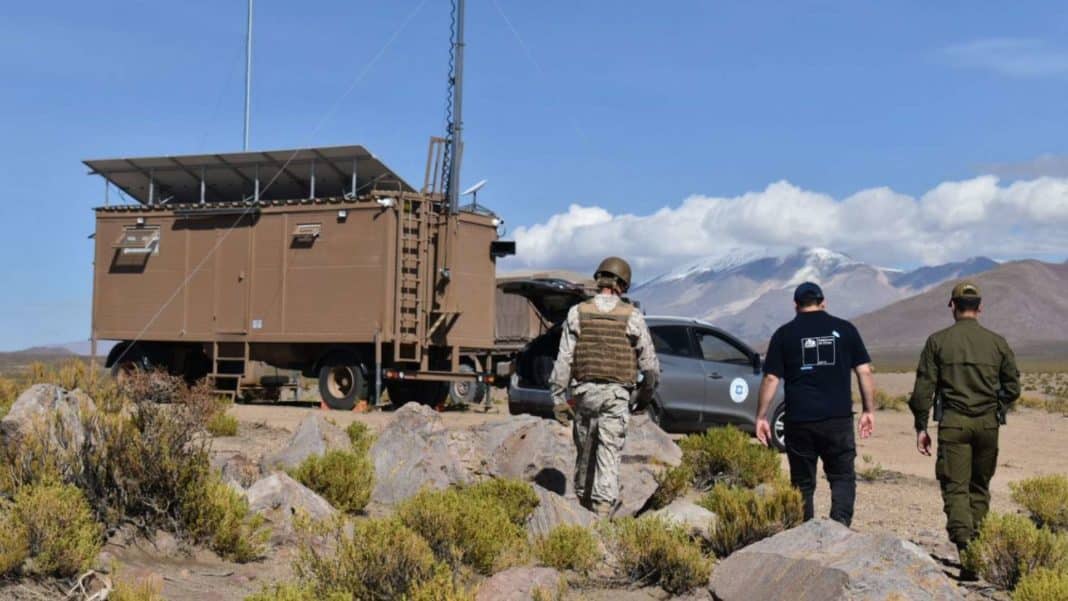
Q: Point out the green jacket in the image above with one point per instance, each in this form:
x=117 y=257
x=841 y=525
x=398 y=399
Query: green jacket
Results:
x=969 y=364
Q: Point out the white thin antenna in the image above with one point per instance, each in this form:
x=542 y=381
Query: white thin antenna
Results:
x=248 y=75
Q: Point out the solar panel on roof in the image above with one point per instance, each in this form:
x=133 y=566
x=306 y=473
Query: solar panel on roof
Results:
x=281 y=175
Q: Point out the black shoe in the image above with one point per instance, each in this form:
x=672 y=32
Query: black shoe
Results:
x=967 y=575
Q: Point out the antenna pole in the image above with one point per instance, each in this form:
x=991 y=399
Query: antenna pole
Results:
x=456 y=135
x=248 y=75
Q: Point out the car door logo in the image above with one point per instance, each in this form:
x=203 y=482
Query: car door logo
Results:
x=739 y=390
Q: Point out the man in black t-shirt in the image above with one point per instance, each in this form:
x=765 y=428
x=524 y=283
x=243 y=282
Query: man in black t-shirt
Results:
x=814 y=354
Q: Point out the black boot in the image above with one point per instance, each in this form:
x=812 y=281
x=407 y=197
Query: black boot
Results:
x=966 y=575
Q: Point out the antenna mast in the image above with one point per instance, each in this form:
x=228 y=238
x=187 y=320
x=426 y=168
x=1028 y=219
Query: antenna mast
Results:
x=248 y=75
x=456 y=124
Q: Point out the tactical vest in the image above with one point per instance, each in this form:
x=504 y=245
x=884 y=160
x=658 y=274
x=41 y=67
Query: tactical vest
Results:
x=603 y=352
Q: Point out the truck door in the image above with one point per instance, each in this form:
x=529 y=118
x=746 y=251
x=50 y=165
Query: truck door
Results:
x=682 y=380
x=232 y=270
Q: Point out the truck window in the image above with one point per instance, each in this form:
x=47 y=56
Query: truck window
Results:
x=672 y=340
x=138 y=240
x=714 y=348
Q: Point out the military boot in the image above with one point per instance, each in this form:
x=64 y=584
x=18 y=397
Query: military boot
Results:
x=604 y=510
x=966 y=575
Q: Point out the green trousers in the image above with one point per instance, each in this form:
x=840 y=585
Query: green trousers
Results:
x=967 y=458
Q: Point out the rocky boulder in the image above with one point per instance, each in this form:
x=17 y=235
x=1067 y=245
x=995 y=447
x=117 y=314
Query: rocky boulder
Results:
x=554 y=510
x=411 y=453
x=314 y=436
x=237 y=469
x=51 y=407
x=542 y=451
x=697 y=520
x=822 y=559
x=520 y=584
x=279 y=498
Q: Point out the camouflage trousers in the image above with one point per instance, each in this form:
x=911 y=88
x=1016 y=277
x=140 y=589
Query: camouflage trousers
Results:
x=601 y=416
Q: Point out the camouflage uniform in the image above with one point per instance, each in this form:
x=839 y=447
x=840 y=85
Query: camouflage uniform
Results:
x=601 y=407
x=973 y=370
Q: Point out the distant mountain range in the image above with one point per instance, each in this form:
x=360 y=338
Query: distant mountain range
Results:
x=750 y=295
x=1025 y=301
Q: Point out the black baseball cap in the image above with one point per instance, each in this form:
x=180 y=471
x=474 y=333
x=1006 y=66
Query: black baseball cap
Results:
x=808 y=291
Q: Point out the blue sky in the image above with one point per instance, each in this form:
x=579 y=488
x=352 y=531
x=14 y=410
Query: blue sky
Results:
x=630 y=107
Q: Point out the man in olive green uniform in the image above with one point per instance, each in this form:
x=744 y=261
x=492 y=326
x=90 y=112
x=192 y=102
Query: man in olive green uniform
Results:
x=604 y=344
x=973 y=374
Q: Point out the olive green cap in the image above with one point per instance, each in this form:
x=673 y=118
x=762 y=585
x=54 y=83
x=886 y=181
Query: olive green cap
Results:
x=965 y=289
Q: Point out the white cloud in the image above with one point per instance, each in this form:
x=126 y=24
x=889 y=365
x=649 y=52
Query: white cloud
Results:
x=954 y=220
x=1014 y=57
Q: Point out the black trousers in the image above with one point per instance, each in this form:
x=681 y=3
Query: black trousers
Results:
x=831 y=441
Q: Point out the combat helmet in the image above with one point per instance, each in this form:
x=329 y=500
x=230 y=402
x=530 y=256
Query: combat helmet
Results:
x=617 y=268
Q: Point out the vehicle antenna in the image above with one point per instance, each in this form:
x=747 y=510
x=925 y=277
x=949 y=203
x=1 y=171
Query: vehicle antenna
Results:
x=248 y=76
x=454 y=107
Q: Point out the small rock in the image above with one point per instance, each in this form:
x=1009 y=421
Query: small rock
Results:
x=554 y=510
x=37 y=406
x=279 y=497
x=238 y=469
x=519 y=584
x=411 y=453
x=697 y=520
x=823 y=559
x=314 y=436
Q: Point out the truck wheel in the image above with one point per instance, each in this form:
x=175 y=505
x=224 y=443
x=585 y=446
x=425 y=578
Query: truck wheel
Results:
x=341 y=385
x=466 y=392
x=778 y=428
x=130 y=362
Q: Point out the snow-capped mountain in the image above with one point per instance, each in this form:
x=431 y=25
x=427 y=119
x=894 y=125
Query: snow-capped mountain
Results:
x=751 y=296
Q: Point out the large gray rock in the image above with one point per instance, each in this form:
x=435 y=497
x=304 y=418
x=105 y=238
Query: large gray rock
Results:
x=411 y=453
x=824 y=560
x=519 y=584
x=52 y=408
x=236 y=468
x=280 y=498
x=554 y=510
x=542 y=451
x=697 y=520
x=314 y=436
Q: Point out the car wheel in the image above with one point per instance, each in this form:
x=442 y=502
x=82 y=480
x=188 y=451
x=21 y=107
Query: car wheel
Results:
x=466 y=392
x=341 y=385
x=778 y=427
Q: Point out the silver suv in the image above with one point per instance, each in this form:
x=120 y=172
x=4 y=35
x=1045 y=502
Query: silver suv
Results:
x=708 y=377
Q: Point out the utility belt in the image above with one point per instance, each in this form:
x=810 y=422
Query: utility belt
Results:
x=1000 y=410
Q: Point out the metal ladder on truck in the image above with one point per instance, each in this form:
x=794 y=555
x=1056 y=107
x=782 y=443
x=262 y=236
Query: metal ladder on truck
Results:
x=229 y=364
x=410 y=297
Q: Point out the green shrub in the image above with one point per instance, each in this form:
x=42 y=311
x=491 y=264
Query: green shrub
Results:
x=729 y=455
x=219 y=515
x=62 y=536
x=569 y=548
x=343 y=478
x=746 y=516
x=9 y=392
x=369 y=559
x=361 y=437
x=147 y=589
x=442 y=586
x=1011 y=546
x=516 y=497
x=651 y=551
x=672 y=483
x=1046 y=498
x=464 y=528
x=1042 y=585
x=15 y=542
x=222 y=424
x=295 y=592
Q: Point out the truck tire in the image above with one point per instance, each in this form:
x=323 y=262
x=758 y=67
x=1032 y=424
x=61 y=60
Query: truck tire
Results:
x=467 y=392
x=130 y=360
x=342 y=384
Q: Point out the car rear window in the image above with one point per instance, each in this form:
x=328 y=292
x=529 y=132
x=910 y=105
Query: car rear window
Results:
x=672 y=340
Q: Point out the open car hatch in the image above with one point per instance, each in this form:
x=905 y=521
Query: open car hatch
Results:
x=551 y=297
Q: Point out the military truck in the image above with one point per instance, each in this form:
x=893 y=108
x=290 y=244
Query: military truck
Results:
x=321 y=260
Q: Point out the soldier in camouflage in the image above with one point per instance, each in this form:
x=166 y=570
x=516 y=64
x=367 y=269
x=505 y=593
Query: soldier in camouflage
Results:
x=971 y=372
x=603 y=346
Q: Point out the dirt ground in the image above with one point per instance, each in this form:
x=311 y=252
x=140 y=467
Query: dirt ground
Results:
x=904 y=500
